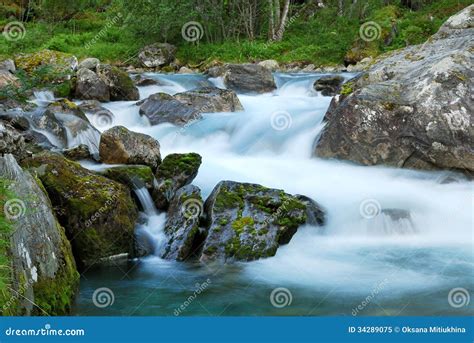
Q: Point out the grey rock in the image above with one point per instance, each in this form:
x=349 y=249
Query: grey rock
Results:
x=118 y=145
x=90 y=86
x=329 y=85
x=157 y=55
x=412 y=109
x=90 y=63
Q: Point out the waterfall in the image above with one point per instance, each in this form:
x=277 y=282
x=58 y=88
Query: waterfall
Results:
x=150 y=235
x=43 y=98
x=90 y=137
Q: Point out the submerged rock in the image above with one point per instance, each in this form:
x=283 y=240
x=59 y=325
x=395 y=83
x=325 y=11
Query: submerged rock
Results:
x=118 y=145
x=98 y=214
x=248 y=221
x=157 y=55
x=412 y=109
x=329 y=85
x=182 y=224
x=42 y=276
x=176 y=171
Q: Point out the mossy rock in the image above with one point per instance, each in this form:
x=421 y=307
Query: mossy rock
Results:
x=131 y=176
x=248 y=221
x=59 y=60
x=120 y=84
x=98 y=214
x=176 y=171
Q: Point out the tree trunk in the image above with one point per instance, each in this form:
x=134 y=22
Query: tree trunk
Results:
x=284 y=19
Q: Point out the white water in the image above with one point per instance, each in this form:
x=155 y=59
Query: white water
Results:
x=352 y=253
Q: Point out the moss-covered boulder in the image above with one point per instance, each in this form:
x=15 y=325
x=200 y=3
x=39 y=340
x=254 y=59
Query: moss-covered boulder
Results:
x=121 y=86
x=176 y=171
x=60 y=60
x=119 y=145
x=248 y=221
x=131 y=176
x=182 y=224
x=38 y=274
x=98 y=214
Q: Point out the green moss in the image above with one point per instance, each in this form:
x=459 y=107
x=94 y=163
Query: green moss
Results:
x=56 y=295
x=347 y=88
x=5 y=254
x=175 y=164
x=130 y=175
x=243 y=223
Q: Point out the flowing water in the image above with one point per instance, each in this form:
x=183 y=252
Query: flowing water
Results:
x=404 y=261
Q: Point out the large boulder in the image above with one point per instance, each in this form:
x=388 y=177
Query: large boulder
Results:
x=8 y=65
x=38 y=274
x=185 y=107
x=412 y=109
x=118 y=145
x=163 y=108
x=59 y=61
x=90 y=86
x=98 y=214
x=134 y=176
x=90 y=63
x=248 y=78
x=157 y=55
x=247 y=221
x=176 y=171
x=211 y=99
x=182 y=224
x=270 y=65
x=120 y=85
x=329 y=85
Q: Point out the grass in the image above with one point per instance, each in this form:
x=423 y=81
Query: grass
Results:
x=322 y=40
x=5 y=260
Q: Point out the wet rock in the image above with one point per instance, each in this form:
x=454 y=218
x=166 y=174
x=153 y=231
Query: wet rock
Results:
x=176 y=171
x=80 y=152
x=98 y=214
x=248 y=78
x=185 y=107
x=163 y=108
x=247 y=221
x=41 y=267
x=11 y=141
x=142 y=81
x=120 y=85
x=132 y=176
x=182 y=224
x=211 y=99
x=90 y=86
x=118 y=145
x=329 y=85
x=157 y=55
x=185 y=70
x=412 y=109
